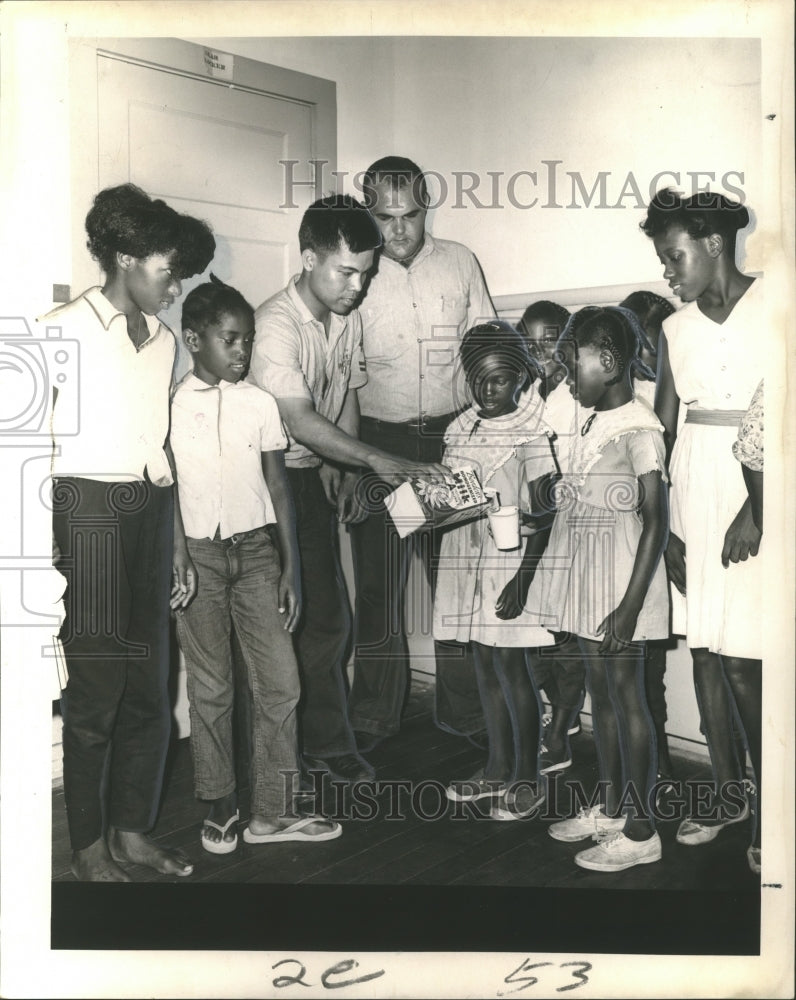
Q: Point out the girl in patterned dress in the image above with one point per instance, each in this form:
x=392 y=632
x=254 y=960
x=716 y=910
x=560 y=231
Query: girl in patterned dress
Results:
x=480 y=595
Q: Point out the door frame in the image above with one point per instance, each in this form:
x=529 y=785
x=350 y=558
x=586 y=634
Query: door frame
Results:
x=173 y=55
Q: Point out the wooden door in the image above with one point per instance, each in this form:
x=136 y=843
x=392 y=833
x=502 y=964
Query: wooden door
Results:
x=216 y=152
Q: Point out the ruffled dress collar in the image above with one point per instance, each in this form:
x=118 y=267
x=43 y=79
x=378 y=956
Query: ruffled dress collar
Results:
x=602 y=427
x=500 y=436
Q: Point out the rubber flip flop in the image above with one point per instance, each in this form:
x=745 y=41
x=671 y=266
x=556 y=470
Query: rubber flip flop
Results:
x=295 y=831
x=222 y=846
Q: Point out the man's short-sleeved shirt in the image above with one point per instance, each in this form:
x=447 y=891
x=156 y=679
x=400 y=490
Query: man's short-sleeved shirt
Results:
x=111 y=415
x=413 y=319
x=218 y=434
x=293 y=358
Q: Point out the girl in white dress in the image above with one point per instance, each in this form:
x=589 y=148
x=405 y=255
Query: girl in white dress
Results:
x=602 y=579
x=711 y=358
x=479 y=596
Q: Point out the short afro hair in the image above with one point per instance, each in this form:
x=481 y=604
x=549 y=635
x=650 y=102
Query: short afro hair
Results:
x=339 y=219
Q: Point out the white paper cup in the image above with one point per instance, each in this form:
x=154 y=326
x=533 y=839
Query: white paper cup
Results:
x=505 y=525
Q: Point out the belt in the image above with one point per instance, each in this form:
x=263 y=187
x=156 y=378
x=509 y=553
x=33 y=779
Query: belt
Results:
x=425 y=425
x=239 y=536
x=716 y=418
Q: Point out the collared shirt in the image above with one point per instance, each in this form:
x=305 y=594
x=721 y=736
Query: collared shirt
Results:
x=718 y=366
x=218 y=433
x=413 y=319
x=292 y=358
x=111 y=416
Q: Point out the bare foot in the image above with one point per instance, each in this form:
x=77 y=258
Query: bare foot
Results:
x=139 y=849
x=95 y=864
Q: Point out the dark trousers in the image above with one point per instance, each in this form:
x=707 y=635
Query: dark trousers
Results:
x=381 y=568
x=654 y=670
x=323 y=634
x=115 y=541
x=560 y=672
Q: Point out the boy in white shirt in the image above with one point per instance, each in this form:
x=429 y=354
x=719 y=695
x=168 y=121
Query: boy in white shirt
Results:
x=228 y=444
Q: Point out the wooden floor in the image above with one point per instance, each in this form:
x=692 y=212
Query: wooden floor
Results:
x=409 y=835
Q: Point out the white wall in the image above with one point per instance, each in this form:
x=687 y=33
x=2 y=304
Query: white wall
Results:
x=617 y=105
x=596 y=104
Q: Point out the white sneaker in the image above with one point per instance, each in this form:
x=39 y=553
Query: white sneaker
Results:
x=477 y=787
x=588 y=823
x=618 y=852
x=524 y=803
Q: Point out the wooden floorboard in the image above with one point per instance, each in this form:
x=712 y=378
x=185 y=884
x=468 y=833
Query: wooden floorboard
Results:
x=454 y=845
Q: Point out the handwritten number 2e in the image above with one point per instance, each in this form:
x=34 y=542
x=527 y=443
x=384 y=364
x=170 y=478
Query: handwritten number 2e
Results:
x=530 y=980
x=327 y=977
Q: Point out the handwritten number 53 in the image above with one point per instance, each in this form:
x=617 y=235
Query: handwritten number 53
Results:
x=525 y=981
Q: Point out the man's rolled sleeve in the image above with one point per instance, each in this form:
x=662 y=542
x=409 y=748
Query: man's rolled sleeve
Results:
x=276 y=363
x=479 y=305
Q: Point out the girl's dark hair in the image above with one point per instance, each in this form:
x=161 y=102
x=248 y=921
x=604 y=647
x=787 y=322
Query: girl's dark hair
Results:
x=615 y=329
x=650 y=310
x=543 y=309
x=330 y=222
x=498 y=338
x=702 y=214
x=125 y=219
x=208 y=302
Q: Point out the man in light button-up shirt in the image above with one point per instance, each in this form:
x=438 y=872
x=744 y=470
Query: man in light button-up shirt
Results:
x=308 y=355
x=426 y=293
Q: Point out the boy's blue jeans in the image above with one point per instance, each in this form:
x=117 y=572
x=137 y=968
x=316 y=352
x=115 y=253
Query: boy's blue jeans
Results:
x=238 y=585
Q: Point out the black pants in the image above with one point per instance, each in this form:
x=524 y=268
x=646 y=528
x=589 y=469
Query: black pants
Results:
x=381 y=567
x=324 y=630
x=559 y=670
x=116 y=544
